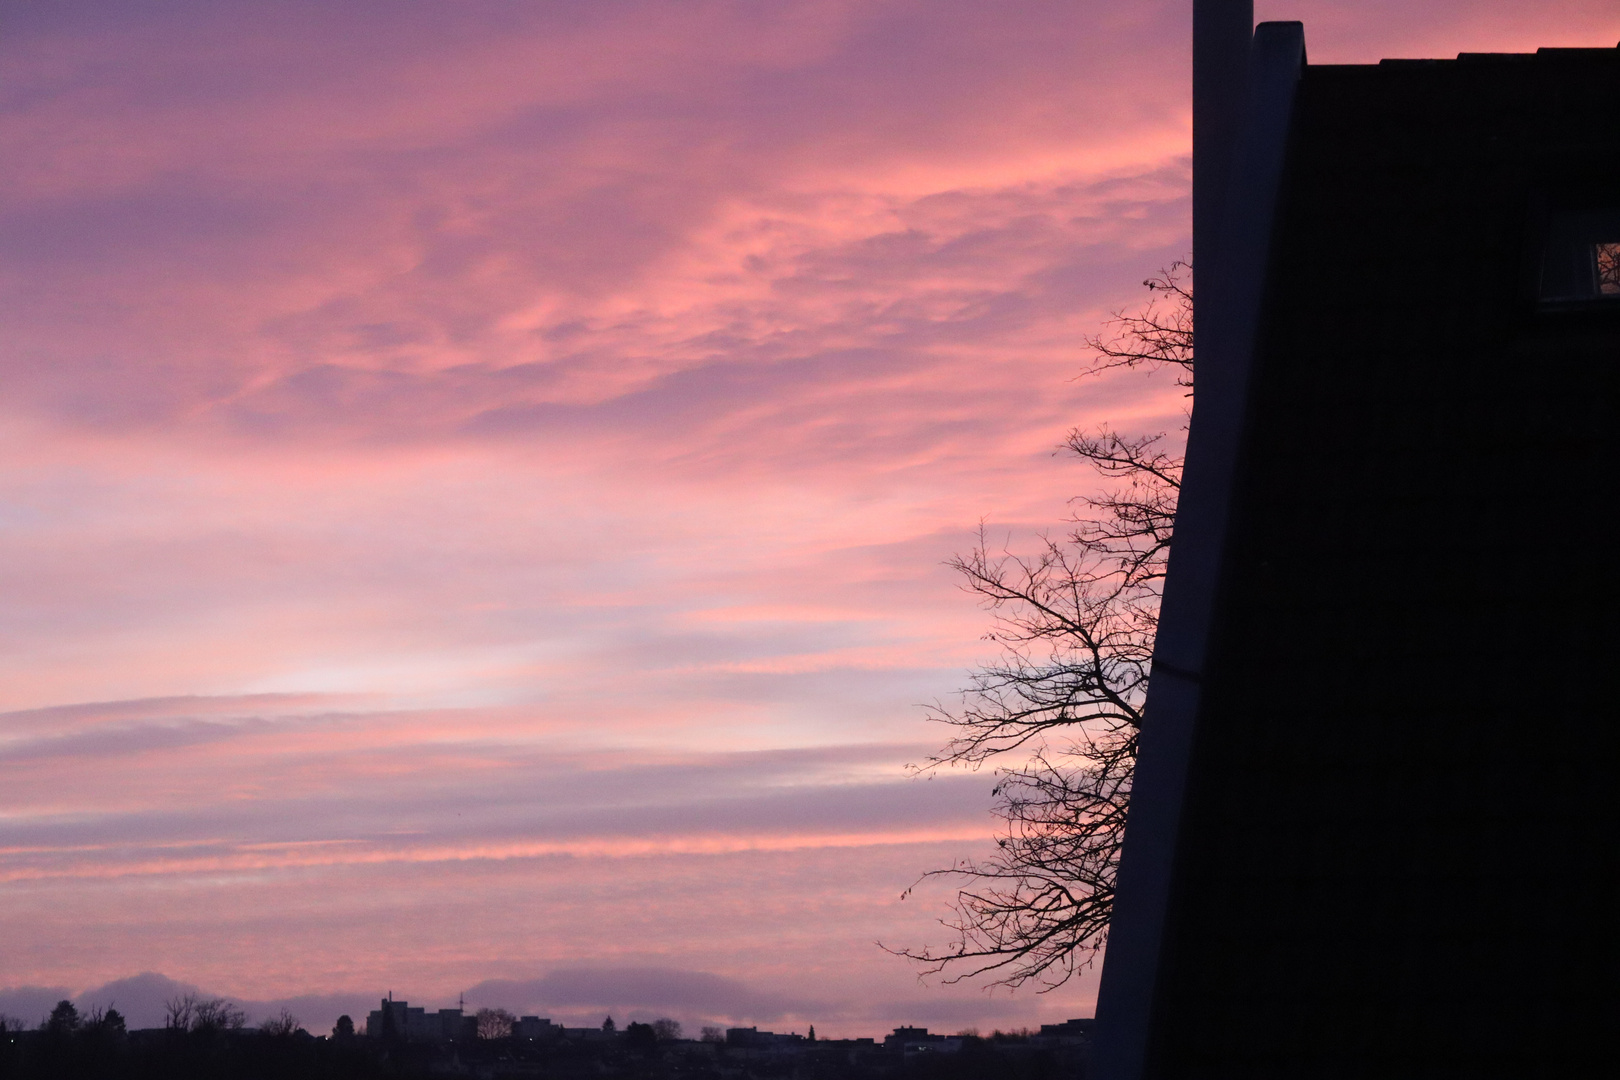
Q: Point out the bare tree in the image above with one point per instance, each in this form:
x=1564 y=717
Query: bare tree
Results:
x=177 y=1012
x=192 y=1013
x=283 y=1025
x=1076 y=622
x=495 y=1023
x=666 y=1029
x=107 y=1021
x=217 y=1014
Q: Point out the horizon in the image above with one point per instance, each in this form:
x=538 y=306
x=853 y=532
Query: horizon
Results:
x=142 y=1001
x=476 y=480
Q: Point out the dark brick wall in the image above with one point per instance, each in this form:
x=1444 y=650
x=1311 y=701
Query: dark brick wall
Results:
x=1400 y=823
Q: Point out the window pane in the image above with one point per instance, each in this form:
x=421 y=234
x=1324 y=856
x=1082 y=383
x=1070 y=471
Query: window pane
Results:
x=1607 y=257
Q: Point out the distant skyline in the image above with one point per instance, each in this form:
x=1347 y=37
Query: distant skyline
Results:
x=566 y=997
x=474 y=478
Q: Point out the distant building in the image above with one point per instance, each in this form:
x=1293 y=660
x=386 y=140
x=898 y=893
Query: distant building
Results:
x=916 y=1040
x=753 y=1039
x=399 y=1020
x=536 y=1027
x=1069 y=1029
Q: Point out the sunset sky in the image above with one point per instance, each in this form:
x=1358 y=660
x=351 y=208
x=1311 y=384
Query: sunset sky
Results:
x=475 y=476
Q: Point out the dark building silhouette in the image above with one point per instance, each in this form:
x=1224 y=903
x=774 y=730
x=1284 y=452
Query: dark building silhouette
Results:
x=399 y=1020
x=1373 y=828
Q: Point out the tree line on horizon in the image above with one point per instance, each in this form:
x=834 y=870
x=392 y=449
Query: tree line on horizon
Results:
x=208 y=1039
x=199 y=1015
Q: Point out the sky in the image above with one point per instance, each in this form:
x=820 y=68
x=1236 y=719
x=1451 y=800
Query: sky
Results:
x=475 y=477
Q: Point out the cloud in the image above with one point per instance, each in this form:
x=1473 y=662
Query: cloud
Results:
x=125 y=741
x=335 y=789
x=190 y=708
x=685 y=199
x=30 y=1004
x=953 y=1014
x=795 y=926
x=686 y=993
x=700 y=997
x=143 y=1002
x=141 y=999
